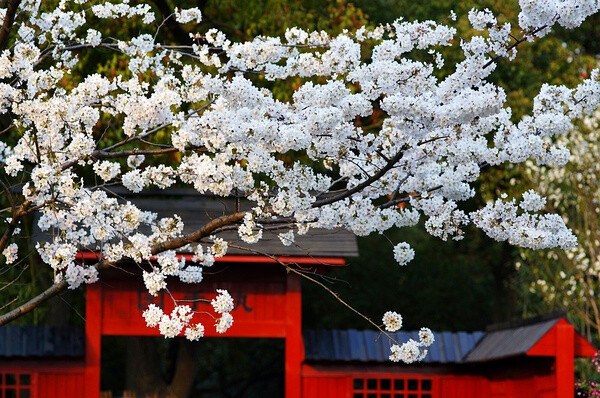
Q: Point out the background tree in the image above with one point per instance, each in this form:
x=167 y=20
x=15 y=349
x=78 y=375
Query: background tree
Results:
x=371 y=124
x=570 y=279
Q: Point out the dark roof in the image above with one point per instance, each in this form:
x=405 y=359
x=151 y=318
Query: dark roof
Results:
x=497 y=342
x=510 y=342
x=41 y=341
x=196 y=210
x=371 y=346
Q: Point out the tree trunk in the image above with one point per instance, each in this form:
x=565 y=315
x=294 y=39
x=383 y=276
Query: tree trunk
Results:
x=146 y=368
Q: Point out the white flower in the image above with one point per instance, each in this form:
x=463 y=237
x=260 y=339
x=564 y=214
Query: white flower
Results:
x=170 y=326
x=93 y=37
x=480 y=19
x=392 y=321
x=532 y=201
x=154 y=282
x=395 y=353
x=194 y=333
x=170 y=264
x=190 y=274
x=134 y=181
x=11 y=253
x=408 y=352
x=249 y=232
x=107 y=170
x=153 y=314
x=134 y=161
x=223 y=302
x=224 y=322
x=188 y=15
x=219 y=247
x=426 y=337
x=75 y=275
x=403 y=253
x=287 y=238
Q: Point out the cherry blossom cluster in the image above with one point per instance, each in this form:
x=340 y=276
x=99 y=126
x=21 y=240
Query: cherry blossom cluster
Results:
x=412 y=350
x=180 y=319
x=392 y=321
x=232 y=135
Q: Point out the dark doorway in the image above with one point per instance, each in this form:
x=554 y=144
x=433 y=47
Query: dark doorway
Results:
x=210 y=368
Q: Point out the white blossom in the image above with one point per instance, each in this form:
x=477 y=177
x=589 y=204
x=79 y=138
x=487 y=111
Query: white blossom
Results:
x=403 y=253
x=426 y=337
x=408 y=352
x=154 y=281
x=153 y=314
x=287 y=238
x=392 y=321
x=188 y=15
x=170 y=326
x=134 y=161
x=219 y=247
x=226 y=133
x=93 y=38
x=107 y=170
x=194 y=333
x=223 y=302
x=224 y=322
x=10 y=253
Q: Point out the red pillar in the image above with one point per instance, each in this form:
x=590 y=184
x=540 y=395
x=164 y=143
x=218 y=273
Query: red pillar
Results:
x=93 y=320
x=294 y=346
x=565 y=360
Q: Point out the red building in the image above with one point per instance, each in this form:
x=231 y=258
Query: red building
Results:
x=534 y=359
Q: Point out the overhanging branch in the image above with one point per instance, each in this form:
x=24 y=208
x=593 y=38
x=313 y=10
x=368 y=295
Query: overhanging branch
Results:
x=171 y=244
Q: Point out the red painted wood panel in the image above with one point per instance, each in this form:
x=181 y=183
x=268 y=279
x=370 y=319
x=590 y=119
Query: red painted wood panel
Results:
x=248 y=259
x=565 y=353
x=93 y=311
x=294 y=345
x=259 y=296
x=318 y=382
x=326 y=387
x=458 y=386
x=546 y=386
x=60 y=385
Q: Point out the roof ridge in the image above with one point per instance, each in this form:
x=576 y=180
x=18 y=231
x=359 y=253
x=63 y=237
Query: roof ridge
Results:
x=514 y=323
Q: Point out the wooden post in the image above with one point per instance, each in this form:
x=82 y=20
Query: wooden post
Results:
x=93 y=334
x=294 y=346
x=565 y=363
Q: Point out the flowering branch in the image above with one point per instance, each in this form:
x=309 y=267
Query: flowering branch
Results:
x=302 y=161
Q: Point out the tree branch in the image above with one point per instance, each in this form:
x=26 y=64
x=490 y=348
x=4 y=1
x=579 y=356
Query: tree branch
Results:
x=9 y=20
x=322 y=285
x=395 y=159
x=172 y=244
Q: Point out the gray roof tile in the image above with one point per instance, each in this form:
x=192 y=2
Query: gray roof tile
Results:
x=509 y=342
x=41 y=341
x=195 y=211
x=370 y=346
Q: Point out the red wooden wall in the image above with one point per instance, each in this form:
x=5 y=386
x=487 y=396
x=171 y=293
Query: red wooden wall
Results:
x=267 y=304
x=259 y=297
x=49 y=378
x=526 y=376
x=335 y=384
